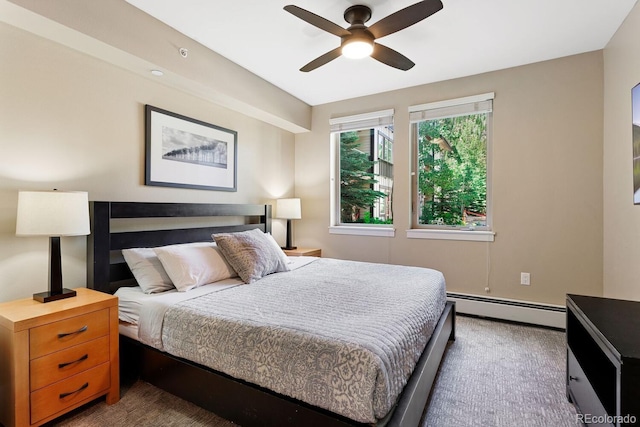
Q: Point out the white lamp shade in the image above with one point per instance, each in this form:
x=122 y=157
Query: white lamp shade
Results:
x=288 y=209
x=53 y=213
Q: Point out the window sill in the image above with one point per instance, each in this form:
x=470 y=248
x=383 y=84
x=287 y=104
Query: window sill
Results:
x=363 y=231
x=472 y=236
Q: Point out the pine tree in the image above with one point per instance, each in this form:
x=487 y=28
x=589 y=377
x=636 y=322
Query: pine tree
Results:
x=452 y=176
x=356 y=179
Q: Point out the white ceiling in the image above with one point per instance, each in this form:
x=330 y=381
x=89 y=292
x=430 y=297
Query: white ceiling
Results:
x=466 y=37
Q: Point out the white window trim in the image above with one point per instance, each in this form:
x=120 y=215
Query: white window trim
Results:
x=426 y=231
x=452 y=102
x=372 y=117
x=340 y=124
x=468 y=235
x=363 y=230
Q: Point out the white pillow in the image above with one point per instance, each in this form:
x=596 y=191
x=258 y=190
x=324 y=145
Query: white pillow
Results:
x=190 y=266
x=147 y=269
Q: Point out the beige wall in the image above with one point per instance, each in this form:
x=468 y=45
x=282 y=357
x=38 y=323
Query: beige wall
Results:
x=547 y=183
x=621 y=217
x=73 y=122
x=117 y=32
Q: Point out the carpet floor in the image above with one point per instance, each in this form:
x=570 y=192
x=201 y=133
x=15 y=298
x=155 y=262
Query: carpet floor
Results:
x=494 y=374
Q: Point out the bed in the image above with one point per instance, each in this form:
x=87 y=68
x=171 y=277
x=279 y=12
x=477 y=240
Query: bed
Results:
x=276 y=387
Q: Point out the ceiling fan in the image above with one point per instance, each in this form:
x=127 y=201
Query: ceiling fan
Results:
x=358 y=40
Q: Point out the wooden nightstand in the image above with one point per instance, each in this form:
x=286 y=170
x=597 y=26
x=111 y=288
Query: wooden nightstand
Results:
x=57 y=356
x=303 y=252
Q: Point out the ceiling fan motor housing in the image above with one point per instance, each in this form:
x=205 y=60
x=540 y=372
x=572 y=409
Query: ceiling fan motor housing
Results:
x=358 y=34
x=357 y=15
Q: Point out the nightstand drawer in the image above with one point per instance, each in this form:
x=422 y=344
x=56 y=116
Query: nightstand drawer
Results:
x=63 y=394
x=66 y=363
x=67 y=333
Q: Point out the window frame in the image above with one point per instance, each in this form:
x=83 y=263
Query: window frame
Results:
x=344 y=124
x=458 y=106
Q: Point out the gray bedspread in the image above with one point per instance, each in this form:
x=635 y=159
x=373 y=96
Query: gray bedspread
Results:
x=341 y=335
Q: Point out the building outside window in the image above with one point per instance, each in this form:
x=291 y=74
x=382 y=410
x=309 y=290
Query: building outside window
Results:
x=362 y=169
x=451 y=143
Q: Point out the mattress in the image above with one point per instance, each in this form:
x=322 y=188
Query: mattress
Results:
x=141 y=315
x=340 y=335
x=129 y=330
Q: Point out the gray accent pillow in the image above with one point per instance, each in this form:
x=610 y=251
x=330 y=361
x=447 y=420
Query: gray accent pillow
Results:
x=252 y=254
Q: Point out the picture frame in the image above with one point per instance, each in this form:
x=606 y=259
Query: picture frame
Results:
x=635 y=108
x=188 y=153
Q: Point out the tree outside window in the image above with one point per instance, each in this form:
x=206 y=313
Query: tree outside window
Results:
x=451 y=141
x=366 y=175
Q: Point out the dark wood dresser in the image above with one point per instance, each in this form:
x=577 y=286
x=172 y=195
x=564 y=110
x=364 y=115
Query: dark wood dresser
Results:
x=603 y=359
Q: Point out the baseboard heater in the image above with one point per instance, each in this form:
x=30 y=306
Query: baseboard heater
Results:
x=512 y=310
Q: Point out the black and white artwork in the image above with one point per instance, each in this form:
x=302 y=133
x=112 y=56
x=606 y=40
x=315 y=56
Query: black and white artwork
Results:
x=188 y=153
x=182 y=146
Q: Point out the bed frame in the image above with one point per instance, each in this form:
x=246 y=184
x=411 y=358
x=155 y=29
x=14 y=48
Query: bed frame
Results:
x=244 y=403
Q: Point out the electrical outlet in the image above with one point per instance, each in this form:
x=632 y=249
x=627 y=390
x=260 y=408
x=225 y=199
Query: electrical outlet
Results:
x=525 y=279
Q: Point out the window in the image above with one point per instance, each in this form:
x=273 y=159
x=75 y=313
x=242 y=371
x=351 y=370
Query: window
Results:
x=362 y=169
x=451 y=143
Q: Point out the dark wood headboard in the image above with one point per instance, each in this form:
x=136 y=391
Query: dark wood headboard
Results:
x=106 y=269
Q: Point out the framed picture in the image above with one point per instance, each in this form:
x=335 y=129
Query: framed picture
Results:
x=188 y=153
x=635 y=108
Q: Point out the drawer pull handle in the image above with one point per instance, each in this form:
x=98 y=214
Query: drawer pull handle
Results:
x=63 y=395
x=64 y=365
x=84 y=328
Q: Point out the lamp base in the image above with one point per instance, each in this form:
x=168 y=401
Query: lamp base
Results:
x=288 y=248
x=54 y=296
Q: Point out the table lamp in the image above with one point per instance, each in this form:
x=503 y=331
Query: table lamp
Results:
x=288 y=209
x=53 y=214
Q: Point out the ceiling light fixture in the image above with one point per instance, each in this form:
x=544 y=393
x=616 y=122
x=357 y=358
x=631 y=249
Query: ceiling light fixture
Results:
x=157 y=73
x=357 y=48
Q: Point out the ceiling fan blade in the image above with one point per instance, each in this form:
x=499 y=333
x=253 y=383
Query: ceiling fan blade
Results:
x=318 y=21
x=390 y=57
x=405 y=18
x=323 y=59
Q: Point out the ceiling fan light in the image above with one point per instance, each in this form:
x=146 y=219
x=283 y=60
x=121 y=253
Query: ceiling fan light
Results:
x=356 y=49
